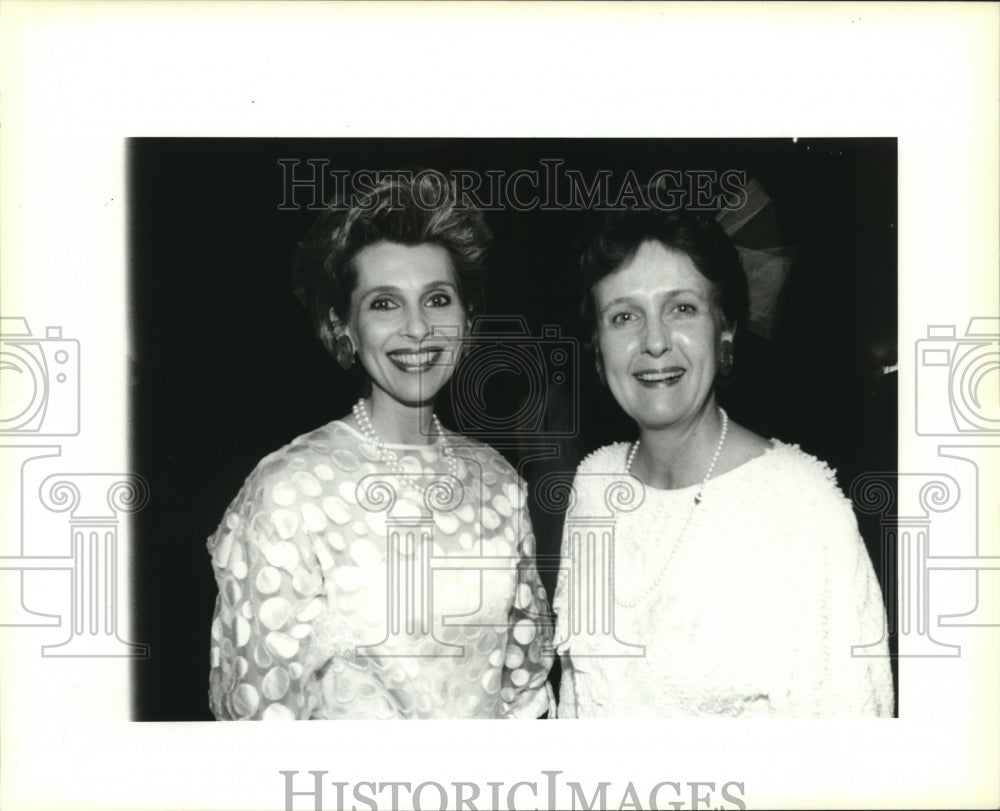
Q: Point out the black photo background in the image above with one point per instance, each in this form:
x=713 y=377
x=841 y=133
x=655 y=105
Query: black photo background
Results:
x=224 y=369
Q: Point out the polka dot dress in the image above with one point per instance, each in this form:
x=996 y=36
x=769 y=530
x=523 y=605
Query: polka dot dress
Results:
x=344 y=592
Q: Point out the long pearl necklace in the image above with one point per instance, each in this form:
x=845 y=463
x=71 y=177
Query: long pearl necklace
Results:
x=390 y=458
x=687 y=523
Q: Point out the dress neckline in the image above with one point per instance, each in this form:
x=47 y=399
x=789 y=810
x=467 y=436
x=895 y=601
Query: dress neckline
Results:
x=433 y=446
x=693 y=488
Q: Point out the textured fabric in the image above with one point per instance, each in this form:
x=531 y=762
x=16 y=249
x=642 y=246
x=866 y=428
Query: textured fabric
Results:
x=755 y=613
x=345 y=594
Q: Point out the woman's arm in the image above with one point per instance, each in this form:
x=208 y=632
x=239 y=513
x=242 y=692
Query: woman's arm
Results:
x=528 y=659
x=860 y=673
x=842 y=668
x=270 y=593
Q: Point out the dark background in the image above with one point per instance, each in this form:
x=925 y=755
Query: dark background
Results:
x=224 y=368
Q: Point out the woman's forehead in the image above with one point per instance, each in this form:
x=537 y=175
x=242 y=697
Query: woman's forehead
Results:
x=404 y=267
x=654 y=270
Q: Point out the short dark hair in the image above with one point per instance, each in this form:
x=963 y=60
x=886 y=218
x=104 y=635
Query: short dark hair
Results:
x=406 y=208
x=618 y=235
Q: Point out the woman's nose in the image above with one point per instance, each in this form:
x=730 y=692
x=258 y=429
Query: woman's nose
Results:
x=656 y=339
x=416 y=325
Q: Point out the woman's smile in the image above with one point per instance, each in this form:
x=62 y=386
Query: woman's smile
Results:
x=415 y=361
x=659 y=378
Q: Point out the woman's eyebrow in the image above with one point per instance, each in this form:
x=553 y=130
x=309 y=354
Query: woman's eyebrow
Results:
x=615 y=301
x=390 y=288
x=382 y=288
x=672 y=294
x=686 y=291
x=441 y=283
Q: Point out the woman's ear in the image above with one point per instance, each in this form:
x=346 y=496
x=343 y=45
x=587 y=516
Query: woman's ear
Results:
x=343 y=344
x=335 y=323
x=726 y=350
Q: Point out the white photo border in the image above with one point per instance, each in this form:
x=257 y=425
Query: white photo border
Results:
x=79 y=78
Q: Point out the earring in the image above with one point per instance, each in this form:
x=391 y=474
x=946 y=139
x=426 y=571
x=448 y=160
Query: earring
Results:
x=726 y=358
x=343 y=349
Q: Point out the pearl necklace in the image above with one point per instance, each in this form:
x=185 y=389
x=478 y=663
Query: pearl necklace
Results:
x=687 y=523
x=390 y=458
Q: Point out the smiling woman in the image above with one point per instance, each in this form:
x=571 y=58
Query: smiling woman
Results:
x=380 y=566
x=737 y=568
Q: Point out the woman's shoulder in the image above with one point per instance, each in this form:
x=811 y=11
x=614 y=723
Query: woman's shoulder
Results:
x=286 y=479
x=790 y=459
x=322 y=454
x=609 y=459
x=807 y=495
x=800 y=481
x=312 y=453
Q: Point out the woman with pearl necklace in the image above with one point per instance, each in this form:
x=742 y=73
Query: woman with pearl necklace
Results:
x=382 y=566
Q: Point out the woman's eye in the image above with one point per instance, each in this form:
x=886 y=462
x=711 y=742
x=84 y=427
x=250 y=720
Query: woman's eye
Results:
x=439 y=300
x=382 y=303
x=621 y=319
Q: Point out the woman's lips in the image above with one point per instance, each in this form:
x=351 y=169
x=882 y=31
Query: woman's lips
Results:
x=659 y=377
x=415 y=360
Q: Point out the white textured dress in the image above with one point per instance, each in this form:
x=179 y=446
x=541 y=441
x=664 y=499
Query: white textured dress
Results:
x=769 y=606
x=345 y=594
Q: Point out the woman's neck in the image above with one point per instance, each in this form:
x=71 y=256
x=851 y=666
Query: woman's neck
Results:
x=680 y=455
x=399 y=424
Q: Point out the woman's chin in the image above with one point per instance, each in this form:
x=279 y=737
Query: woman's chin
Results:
x=419 y=394
x=662 y=421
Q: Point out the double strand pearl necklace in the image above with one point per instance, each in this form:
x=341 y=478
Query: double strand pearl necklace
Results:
x=687 y=523
x=390 y=458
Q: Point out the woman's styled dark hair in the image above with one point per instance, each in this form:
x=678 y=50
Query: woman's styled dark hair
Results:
x=619 y=234
x=409 y=209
